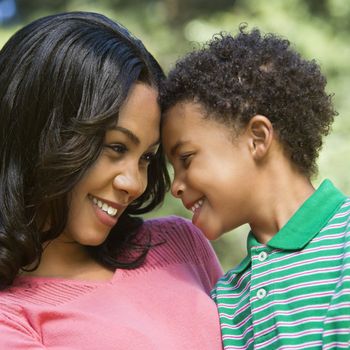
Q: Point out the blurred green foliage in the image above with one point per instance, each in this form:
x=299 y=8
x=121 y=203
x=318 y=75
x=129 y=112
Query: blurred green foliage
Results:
x=318 y=29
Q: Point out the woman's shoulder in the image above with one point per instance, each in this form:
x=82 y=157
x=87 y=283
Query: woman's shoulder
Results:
x=178 y=237
x=165 y=221
x=174 y=228
x=11 y=311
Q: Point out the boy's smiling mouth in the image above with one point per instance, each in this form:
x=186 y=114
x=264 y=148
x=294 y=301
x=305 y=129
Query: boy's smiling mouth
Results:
x=197 y=205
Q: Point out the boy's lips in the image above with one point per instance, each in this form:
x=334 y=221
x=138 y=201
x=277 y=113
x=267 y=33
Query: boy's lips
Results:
x=194 y=205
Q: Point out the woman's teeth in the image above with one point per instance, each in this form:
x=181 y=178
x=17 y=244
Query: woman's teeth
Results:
x=105 y=207
x=197 y=205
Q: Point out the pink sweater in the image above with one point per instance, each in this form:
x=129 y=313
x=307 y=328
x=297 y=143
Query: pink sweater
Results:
x=162 y=305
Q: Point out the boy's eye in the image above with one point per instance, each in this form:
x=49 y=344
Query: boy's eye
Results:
x=185 y=159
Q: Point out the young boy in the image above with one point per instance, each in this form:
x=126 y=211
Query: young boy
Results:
x=244 y=119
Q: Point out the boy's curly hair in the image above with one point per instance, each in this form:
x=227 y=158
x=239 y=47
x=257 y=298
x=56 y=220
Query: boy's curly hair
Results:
x=237 y=77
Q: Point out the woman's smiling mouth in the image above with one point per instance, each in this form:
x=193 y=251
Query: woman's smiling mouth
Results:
x=104 y=206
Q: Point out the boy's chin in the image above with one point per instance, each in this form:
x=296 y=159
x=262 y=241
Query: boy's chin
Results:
x=210 y=231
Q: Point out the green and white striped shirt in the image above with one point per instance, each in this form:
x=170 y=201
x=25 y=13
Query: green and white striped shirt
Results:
x=293 y=292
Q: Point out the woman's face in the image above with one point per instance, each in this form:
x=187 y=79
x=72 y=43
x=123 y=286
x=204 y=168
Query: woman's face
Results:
x=119 y=175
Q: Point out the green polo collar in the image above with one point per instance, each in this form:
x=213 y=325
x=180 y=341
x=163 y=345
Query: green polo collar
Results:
x=309 y=219
x=303 y=226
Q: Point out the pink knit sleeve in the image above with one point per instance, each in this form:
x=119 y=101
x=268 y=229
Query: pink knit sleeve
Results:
x=212 y=269
x=16 y=333
x=186 y=243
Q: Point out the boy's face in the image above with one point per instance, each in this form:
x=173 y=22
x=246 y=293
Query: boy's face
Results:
x=213 y=169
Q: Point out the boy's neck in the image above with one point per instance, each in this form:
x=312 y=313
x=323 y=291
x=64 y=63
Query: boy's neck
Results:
x=283 y=190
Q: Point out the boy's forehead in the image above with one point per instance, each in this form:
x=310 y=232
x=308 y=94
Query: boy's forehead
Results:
x=180 y=122
x=189 y=115
x=186 y=123
x=188 y=111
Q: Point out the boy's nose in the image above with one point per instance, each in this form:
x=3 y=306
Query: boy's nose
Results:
x=177 y=189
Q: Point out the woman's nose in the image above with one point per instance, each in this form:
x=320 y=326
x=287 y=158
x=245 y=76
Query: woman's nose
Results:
x=131 y=182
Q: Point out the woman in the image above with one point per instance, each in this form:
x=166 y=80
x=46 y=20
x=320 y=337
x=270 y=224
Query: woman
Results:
x=80 y=156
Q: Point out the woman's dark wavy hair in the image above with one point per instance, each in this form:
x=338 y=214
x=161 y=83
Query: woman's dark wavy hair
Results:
x=236 y=77
x=63 y=79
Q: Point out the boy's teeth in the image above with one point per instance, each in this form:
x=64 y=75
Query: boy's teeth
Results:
x=105 y=207
x=197 y=205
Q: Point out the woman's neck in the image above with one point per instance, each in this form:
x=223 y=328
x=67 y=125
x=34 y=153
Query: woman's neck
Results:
x=70 y=260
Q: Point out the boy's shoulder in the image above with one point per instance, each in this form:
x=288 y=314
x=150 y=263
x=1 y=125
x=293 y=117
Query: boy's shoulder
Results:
x=345 y=207
x=340 y=217
x=230 y=277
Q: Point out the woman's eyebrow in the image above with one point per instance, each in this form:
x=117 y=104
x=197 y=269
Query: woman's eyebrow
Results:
x=134 y=139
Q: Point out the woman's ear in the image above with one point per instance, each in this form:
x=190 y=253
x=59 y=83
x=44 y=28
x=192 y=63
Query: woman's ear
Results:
x=260 y=133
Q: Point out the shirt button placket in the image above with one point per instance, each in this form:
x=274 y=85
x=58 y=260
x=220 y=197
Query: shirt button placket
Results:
x=261 y=293
x=262 y=256
x=260 y=288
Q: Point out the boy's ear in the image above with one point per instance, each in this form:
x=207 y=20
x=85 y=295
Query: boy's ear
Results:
x=260 y=132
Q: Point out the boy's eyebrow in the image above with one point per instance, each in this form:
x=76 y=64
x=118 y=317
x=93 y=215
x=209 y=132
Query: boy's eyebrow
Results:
x=134 y=139
x=177 y=145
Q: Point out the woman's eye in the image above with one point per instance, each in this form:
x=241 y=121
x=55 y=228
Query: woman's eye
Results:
x=148 y=157
x=117 y=148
